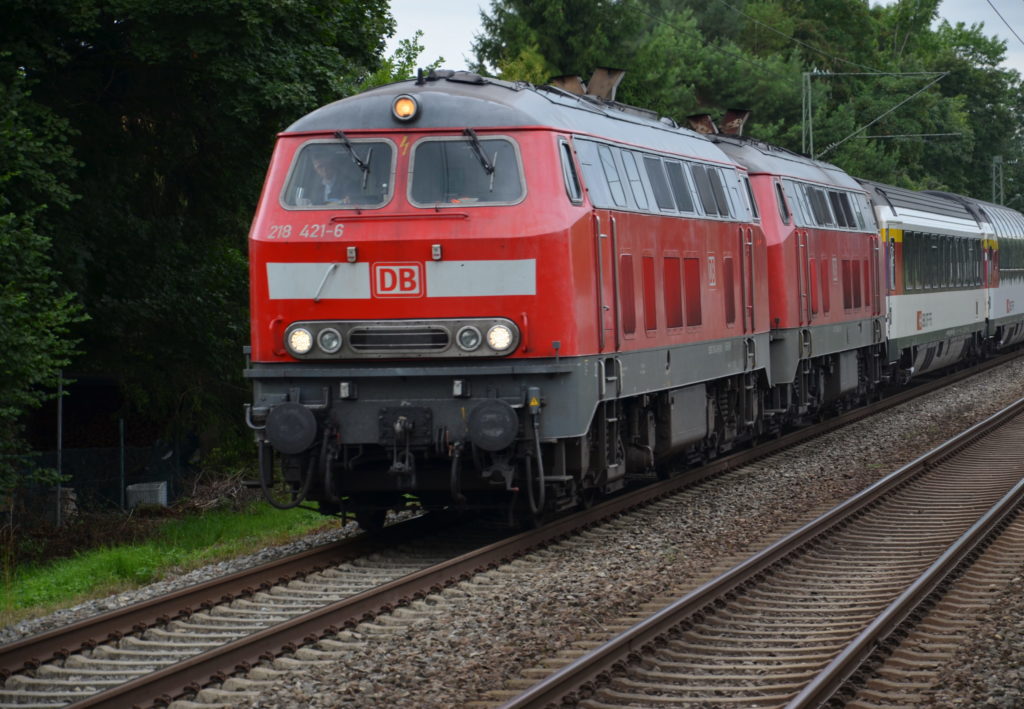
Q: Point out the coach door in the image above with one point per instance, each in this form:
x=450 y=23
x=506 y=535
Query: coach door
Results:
x=606 y=263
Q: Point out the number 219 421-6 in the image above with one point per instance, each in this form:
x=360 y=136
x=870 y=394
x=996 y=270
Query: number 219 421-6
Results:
x=308 y=231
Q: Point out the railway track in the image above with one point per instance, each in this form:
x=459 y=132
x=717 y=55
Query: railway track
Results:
x=173 y=647
x=811 y=617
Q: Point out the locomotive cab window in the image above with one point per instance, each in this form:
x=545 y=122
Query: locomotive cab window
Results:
x=572 y=180
x=465 y=171
x=336 y=174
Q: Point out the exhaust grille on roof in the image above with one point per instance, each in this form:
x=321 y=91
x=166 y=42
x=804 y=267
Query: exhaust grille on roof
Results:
x=571 y=83
x=702 y=123
x=604 y=82
x=734 y=120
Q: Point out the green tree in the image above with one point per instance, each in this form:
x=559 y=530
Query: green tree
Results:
x=687 y=56
x=401 y=65
x=171 y=109
x=35 y=313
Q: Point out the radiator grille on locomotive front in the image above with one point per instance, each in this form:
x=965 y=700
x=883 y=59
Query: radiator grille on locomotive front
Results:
x=408 y=338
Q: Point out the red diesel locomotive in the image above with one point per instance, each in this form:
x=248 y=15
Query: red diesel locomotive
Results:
x=494 y=294
x=489 y=294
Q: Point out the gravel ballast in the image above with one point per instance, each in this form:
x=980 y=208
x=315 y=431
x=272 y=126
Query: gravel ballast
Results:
x=525 y=614
x=492 y=628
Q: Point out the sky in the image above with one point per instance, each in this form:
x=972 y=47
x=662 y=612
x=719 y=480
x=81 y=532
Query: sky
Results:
x=448 y=32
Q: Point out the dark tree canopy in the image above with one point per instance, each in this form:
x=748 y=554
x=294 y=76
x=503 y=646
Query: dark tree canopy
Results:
x=167 y=111
x=35 y=312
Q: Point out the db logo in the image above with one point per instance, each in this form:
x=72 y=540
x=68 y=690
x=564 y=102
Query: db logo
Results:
x=397 y=280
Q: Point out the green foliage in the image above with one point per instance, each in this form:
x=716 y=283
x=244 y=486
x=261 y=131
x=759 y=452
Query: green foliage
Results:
x=35 y=313
x=180 y=545
x=401 y=65
x=688 y=56
x=160 y=115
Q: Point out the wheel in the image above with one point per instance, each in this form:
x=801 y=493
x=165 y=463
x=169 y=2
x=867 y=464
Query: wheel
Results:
x=371 y=520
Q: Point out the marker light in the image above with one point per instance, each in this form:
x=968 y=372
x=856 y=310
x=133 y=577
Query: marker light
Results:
x=404 y=108
x=329 y=340
x=499 y=338
x=468 y=338
x=300 y=341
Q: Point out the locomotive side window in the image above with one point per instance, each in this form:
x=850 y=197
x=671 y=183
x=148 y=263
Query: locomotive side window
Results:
x=659 y=183
x=572 y=180
x=465 y=171
x=635 y=183
x=867 y=212
x=680 y=186
x=335 y=174
x=843 y=216
x=718 y=190
x=611 y=174
x=704 y=191
x=783 y=209
x=796 y=199
x=750 y=198
x=819 y=206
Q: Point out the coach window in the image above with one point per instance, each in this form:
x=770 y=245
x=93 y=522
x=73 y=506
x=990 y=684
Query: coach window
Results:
x=330 y=174
x=635 y=183
x=659 y=183
x=909 y=273
x=572 y=180
x=611 y=174
x=680 y=186
x=465 y=171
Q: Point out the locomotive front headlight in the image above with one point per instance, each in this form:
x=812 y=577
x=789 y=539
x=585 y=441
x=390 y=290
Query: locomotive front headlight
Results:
x=300 y=341
x=500 y=337
x=329 y=340
x=468 y=338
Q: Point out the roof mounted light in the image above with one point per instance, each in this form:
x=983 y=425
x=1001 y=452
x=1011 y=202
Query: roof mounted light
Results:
x=405 y=108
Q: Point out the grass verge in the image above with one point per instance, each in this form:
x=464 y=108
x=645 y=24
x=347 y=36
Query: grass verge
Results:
x=177 y=546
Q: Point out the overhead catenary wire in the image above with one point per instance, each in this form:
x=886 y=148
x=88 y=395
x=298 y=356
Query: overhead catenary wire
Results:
x=1008 y=25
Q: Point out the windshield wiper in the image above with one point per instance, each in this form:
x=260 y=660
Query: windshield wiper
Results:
x=488 y=165
x=364 y=166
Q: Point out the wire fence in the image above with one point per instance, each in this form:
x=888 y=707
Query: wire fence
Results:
x=107 y=480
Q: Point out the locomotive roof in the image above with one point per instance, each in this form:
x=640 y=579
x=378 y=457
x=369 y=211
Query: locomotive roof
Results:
x=459 y=99
x=898 y=198
x=760 y=157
